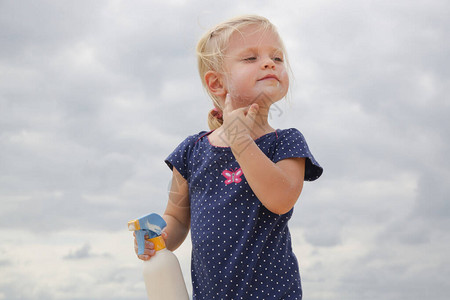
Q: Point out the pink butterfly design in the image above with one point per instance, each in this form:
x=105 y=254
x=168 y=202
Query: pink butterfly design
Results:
x=232 y=176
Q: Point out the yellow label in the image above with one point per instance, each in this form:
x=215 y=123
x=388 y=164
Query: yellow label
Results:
x=158 y=242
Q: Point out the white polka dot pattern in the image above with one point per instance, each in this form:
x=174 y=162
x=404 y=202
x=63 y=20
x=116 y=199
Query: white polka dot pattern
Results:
x=240 y=250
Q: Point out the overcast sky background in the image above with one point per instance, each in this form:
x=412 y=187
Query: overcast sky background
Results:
x=95 y=94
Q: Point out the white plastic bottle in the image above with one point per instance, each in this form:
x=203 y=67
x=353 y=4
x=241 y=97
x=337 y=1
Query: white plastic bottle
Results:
x=162 y=274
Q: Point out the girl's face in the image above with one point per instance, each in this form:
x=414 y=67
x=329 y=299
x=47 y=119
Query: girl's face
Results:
x=254 y=68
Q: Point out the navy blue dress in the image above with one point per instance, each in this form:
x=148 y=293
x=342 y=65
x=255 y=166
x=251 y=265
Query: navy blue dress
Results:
x=240 y=250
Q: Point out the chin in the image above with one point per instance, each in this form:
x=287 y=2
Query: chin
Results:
x=270 y=97
x=263 y=97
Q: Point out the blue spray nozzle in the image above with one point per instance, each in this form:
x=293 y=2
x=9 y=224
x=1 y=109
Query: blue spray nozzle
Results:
x=150 y=225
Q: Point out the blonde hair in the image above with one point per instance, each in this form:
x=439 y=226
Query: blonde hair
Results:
x=211 y=50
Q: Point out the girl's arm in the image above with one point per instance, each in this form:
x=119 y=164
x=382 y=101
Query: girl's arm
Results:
x=177 y=217
x=177 y=214
x=277 y=185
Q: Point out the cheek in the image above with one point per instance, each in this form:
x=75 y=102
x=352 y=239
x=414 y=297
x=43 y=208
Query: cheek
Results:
x=237 y=84
x=240 y=93
x=284 y=77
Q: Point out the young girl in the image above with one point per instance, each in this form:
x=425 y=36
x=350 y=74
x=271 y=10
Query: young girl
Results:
x=235 y=186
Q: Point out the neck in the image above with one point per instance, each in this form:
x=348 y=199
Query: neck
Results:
x=262 y=125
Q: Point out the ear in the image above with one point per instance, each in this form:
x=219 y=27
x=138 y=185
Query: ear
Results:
x=214 y=81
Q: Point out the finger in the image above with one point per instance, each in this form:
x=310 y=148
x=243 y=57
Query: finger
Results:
x=147 y=252
x=243 y=110
x=252 y=111
x=164 y=235
x=144 y=257
x=228 y=105
x=150 y=252
x=146 y=242
x=149 y=245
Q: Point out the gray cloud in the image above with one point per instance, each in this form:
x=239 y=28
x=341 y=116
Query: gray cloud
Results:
x=84 y=252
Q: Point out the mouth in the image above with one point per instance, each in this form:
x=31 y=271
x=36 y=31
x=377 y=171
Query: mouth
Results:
x=269 y=76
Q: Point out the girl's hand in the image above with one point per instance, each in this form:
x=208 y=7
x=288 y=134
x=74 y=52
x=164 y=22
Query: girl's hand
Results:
x=149 y=247
x=239 y=123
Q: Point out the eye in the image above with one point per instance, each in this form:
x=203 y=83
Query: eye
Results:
x=250 y=59
x=278 y=59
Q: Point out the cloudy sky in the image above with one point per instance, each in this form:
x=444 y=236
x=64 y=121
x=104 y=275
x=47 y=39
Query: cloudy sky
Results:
x=95 y=94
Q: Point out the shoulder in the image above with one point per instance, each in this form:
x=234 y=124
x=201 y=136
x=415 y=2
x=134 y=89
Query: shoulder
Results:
x=194 y=138
x=188 y=144
x=179 y=157
x=290 y=138
x=289 y=134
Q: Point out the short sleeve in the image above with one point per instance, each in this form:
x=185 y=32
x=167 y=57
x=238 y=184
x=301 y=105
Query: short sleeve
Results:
x=290 y=144
x=179 y=158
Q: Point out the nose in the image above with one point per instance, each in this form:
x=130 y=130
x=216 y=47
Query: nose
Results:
x=268 y=63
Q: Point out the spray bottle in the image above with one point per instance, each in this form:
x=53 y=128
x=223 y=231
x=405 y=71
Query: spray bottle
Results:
x=162 y=273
